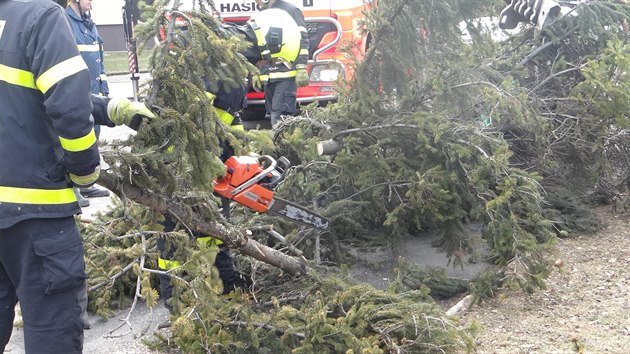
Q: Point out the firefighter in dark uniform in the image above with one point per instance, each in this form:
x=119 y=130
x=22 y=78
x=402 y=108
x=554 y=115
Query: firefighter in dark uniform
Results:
x=89 y=43
x=47 y=144
x=46 y=135
x=228 y=103
x=282 y=69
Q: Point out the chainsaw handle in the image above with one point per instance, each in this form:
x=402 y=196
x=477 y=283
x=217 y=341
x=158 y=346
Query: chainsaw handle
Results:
x=258 y=177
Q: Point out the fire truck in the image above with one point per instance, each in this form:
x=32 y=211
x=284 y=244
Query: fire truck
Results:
x=336 y=37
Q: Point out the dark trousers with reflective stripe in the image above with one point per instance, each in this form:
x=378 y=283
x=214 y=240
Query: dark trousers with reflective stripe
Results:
x=42 y=267
x=280 y=98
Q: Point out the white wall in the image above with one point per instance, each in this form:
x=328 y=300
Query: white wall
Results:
x=107 y=12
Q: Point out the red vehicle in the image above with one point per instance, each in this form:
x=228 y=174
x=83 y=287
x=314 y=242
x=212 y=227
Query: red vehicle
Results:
x=332 y=25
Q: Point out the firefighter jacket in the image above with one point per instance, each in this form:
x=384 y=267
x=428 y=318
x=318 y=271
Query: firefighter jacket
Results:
x=46 y=129
x=279 y=72
x=90 y=46
x=228 y=102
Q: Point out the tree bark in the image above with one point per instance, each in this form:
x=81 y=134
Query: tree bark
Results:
x=232 y=236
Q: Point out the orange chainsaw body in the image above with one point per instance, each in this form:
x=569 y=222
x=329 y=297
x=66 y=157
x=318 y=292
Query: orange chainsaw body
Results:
x=240 y=170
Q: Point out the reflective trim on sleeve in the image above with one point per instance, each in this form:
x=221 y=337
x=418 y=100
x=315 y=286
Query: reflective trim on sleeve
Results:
x=282 y=74
x=59 y=72
x=17 y=77
x=224 y=116
x=79 y=144
x=37 y=196
x=303 y=52
x=89 y=47
x=260 y=39
x=302 y=29
x=103 y=77
x=167 y=264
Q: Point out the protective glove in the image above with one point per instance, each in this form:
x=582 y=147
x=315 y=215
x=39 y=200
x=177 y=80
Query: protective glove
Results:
x=257 y=83
x=130 y=113
x=301 y=78
x=85 y=181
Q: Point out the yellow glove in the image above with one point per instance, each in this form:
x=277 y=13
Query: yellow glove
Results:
x=130 y=113
x=258 y=83
x=87 y=180
x=301 y=78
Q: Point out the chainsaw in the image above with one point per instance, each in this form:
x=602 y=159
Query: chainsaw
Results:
x=250 y=181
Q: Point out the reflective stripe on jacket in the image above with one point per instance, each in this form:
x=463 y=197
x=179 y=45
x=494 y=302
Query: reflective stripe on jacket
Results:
x=228 y=102
x=90 y=46
x=46 y=129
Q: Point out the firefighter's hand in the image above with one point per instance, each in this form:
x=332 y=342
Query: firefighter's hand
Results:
x=130 y=113
x=301 y=78
x=85 y=181
x=257 y=83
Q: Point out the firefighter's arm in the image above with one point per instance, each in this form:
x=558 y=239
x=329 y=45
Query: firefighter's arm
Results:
x=62 y=76
x=301 y=77
x=302 y=58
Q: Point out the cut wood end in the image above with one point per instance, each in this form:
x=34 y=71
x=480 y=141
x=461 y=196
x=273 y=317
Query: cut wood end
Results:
x=328 y=147
x=461 y=305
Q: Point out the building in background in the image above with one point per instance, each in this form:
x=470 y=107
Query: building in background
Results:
x=107 y=14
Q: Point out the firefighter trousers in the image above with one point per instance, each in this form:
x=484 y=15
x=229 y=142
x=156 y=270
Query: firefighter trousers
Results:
x=280 y=98
x=42 y=267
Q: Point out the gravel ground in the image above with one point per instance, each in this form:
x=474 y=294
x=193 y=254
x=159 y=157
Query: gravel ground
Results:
x=585 y=309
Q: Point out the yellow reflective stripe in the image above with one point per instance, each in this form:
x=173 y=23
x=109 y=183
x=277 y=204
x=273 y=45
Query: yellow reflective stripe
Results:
x=302 y=28
x=79 y=144
x=88 y=47
x=17 y=77
x=281 y=75
x=239 y=127
x=263 y=78
x=167 y=264
x=224 y=116
x=36 y=196
x=59 y=72
x=103 y=77
x=303 y=52
x=209 y=241
x=210 y=96
x=259 y=36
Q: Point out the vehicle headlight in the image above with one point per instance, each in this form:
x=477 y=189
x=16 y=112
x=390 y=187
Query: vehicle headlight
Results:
x=328 y=72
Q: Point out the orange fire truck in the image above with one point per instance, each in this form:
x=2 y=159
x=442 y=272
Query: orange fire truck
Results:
x=332 y=25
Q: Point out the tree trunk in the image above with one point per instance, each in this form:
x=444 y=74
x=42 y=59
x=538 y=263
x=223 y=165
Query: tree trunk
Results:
x=231 y=236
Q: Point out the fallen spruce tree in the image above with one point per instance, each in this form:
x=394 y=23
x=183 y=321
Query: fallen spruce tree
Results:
x=431 y=134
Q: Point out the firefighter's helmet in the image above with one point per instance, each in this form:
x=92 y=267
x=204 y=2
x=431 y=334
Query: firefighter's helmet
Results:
x=277 y=34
